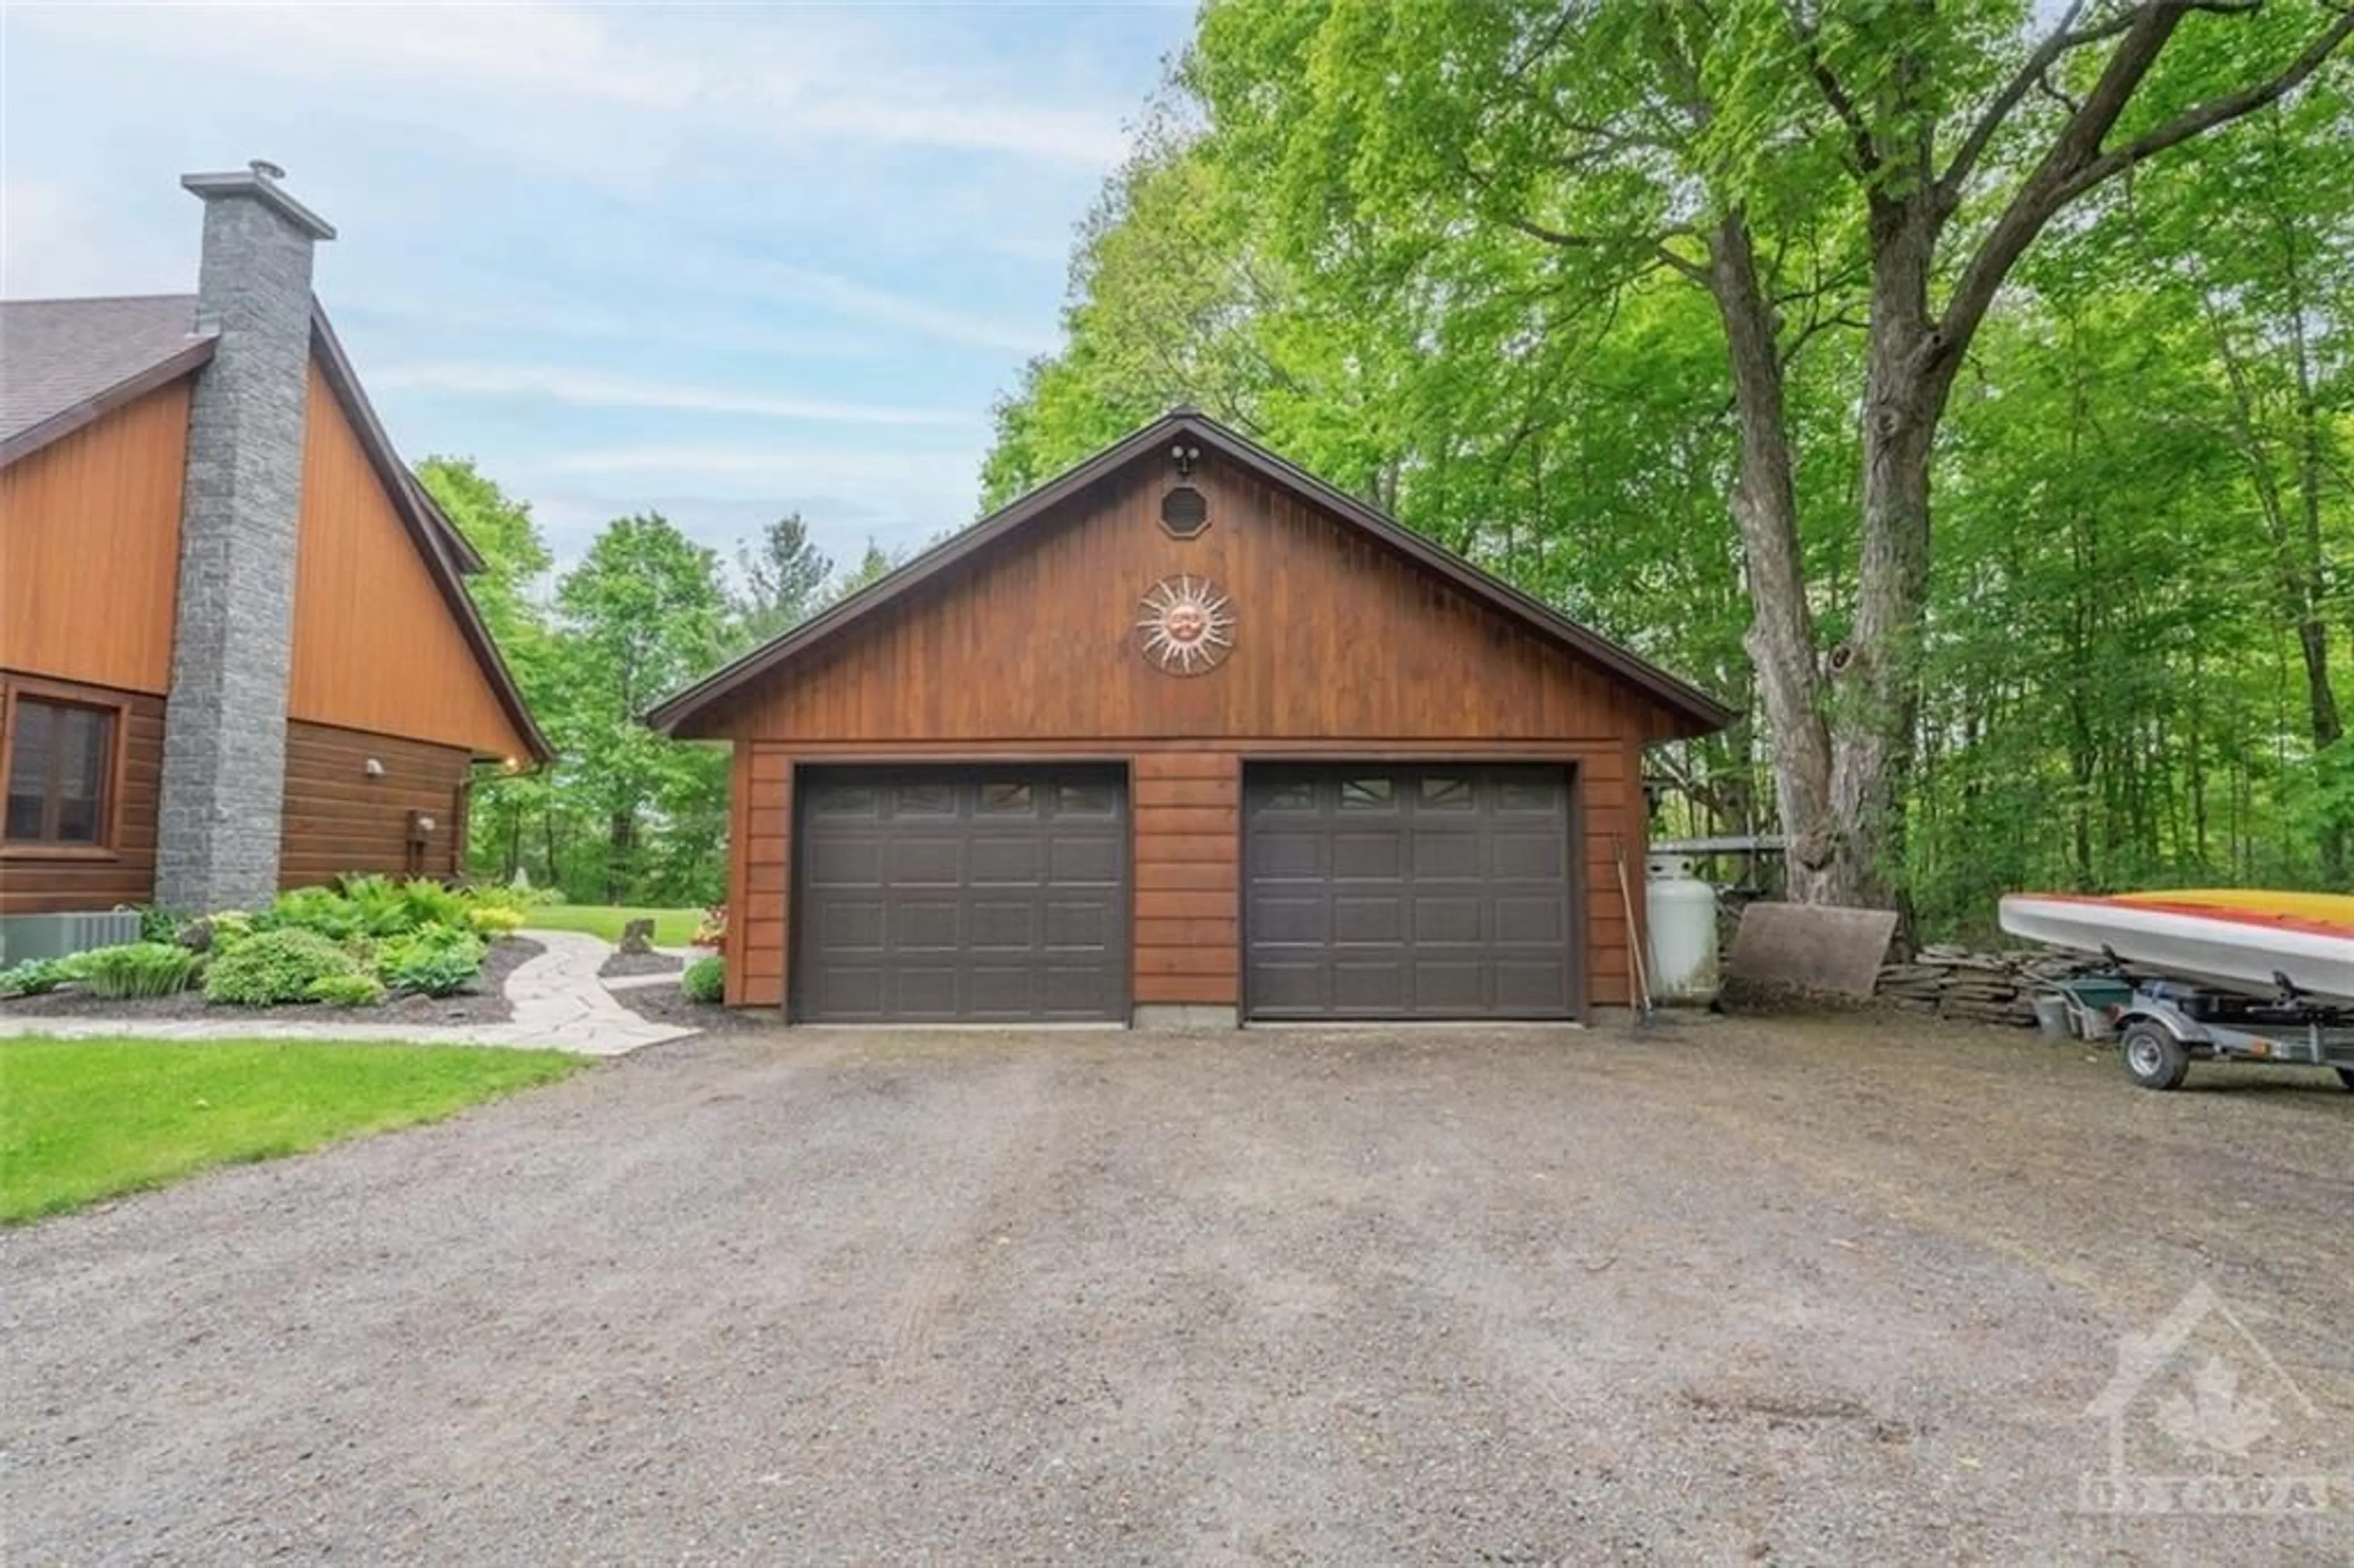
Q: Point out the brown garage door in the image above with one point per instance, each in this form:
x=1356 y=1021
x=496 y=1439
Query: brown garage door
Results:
x=1422 y=892
x=962 y=895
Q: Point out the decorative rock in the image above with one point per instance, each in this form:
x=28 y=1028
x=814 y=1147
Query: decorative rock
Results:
x=638 y=936
x=1978 y=988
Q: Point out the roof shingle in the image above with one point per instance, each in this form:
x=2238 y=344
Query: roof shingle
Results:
x=57 y=356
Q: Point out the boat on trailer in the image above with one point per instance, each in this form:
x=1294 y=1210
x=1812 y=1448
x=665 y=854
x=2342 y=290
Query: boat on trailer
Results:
x=2233 y=973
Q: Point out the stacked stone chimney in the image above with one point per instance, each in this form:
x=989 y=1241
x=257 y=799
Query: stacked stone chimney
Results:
x=232 y=647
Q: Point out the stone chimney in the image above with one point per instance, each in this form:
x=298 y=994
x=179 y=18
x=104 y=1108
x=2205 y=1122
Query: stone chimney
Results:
x=232 y=647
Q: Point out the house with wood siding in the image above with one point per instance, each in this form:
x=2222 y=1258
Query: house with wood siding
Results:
x=237 y=653
x=1187 y=736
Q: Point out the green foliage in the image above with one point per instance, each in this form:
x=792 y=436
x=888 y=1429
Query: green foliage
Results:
x=157 y=924
x=35 y=976
x=275 y=965
x=217 y=932
x=644 y=614
x=784 y=579
x=491 y=921
x=673 y=927
x=346 y=990
x=704 y=979
x=373 y=907
x=135 y=969
x=432 y=960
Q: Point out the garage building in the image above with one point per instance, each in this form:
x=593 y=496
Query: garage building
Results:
x=1187 y=736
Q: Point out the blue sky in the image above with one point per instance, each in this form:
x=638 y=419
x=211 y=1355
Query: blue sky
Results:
x=721 y=260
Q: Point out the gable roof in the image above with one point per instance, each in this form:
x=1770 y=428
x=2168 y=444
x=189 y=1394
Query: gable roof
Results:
x=1704 y=712
x=70 y=361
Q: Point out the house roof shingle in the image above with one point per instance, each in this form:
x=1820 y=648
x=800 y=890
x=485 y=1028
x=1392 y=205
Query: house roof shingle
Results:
x=65 y=361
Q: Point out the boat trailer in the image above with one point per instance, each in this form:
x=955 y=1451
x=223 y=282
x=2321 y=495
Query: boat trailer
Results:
x=2167 y=1023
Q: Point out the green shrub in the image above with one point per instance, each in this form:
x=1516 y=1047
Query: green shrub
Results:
x=705 y=979
x=433 y=960
x=494 y=920
x=135 y=969
x=33 y=977
x=371 y=905
x=346 y=990
x=217 y=932
x=157 y=924
x=507 y=895
x=390 y=909
x=320 y=909
x=277 y=965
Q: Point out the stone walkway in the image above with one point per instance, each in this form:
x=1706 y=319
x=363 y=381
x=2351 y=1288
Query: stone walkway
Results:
x=559 y=1004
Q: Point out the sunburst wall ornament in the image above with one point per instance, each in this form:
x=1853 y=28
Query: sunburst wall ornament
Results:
x=1184 y=625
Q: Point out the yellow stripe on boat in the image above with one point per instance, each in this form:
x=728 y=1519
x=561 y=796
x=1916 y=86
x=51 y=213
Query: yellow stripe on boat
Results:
x=2332 y=908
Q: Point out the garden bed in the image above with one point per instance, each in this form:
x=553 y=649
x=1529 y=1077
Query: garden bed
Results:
x=667 y=1004
x=483 y=1001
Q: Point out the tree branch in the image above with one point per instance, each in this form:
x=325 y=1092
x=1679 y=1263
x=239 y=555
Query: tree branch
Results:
x=2059 y=41
x=2074 y=163
x=1867 y=155
x=2215 y=113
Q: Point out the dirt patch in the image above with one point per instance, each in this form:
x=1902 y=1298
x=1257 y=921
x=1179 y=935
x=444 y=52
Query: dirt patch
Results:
x=1749 y=1290
x=484 y=1002
x=668 y=1004
x=621 y=963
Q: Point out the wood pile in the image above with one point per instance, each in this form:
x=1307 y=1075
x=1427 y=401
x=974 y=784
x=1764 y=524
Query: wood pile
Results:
x=1977 y=988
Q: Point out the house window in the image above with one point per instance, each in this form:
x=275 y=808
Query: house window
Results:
x=61 y=763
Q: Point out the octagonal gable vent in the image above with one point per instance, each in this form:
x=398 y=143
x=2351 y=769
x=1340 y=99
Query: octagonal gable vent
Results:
x=1184 y=512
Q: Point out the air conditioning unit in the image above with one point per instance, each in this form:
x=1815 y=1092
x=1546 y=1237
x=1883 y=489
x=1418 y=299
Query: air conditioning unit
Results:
x=23 y=938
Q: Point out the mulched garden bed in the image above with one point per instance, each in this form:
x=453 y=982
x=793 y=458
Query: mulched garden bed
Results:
x=622 y=963
x=485 y=1001
x=667 y=1004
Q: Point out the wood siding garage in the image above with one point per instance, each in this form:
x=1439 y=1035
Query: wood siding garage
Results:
x=946 y=895
x=1436 y=891
x=1018 y=643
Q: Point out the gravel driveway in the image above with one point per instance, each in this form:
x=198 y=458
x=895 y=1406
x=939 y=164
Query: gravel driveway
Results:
x=1778 y=1291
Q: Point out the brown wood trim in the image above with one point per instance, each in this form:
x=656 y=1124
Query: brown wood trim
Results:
x=65 y=422
x=1702 y=714
x=739 y=865
x=12 y=688
x=1149 y=752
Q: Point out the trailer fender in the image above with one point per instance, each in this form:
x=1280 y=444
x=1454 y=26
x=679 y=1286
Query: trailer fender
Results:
x=2187 y=1030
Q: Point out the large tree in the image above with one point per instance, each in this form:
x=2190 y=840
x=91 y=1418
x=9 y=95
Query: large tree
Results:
x=1805 y=165
x=510 y=592
x=784 y=577
x=645 y=612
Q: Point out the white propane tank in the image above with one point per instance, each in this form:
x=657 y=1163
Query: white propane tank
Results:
x=1683 y=932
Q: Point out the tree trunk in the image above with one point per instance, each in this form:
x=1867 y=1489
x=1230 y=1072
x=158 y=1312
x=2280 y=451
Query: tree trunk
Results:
x=1876 y=673
x=624 y=833
x=1781 y=635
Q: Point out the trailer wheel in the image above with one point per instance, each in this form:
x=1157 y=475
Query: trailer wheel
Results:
x=2154 y=1056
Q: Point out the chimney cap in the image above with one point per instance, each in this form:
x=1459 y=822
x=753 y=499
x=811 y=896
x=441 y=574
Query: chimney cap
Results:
x=259 y=180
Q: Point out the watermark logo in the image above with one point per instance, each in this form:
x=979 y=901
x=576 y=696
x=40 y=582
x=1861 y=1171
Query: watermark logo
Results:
x=2201 y=1420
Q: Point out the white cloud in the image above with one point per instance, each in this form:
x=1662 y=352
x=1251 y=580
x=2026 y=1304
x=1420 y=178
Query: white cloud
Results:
x=588 y=388
x=836 y=78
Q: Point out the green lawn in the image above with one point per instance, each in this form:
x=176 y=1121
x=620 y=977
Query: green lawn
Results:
x=673 y=927
x=85 y=1119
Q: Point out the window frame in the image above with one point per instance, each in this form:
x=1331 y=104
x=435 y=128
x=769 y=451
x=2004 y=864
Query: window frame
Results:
x=16 y=690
